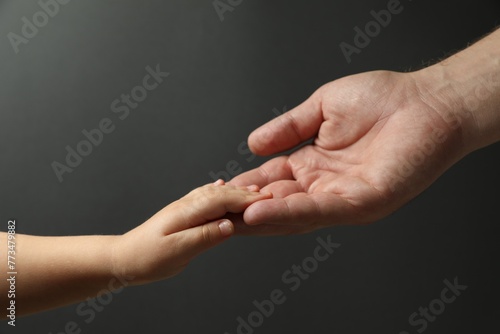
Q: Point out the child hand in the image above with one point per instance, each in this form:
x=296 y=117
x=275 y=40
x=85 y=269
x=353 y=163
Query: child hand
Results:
x=165 y=244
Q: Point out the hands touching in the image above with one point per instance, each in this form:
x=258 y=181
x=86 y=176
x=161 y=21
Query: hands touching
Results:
x=380 y=138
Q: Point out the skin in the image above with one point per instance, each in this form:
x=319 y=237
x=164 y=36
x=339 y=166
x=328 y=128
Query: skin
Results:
x=371 y=152
x=368 y=129
x=57 y=271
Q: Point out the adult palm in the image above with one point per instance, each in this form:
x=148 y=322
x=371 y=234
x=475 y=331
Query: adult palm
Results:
x=380 y=138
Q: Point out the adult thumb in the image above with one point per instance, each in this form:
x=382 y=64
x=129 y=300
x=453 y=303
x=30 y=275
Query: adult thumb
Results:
x=288 y=130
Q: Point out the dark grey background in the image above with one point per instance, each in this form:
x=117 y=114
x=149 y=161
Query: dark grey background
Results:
x=226 y=78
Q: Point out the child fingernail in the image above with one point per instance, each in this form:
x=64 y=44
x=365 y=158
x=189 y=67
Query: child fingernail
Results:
x=253 y=187
x=226 y=228
x=219 y=182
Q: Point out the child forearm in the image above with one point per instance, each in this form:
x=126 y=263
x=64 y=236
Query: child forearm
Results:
x=56 y=271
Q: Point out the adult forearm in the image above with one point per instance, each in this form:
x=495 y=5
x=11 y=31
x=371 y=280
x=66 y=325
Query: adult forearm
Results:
x=466 y=87
x=57 y=271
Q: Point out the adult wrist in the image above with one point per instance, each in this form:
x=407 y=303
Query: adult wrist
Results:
x=465 y=90
x=439 y=92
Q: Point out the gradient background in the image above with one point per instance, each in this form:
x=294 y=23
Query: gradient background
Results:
x=226 y=79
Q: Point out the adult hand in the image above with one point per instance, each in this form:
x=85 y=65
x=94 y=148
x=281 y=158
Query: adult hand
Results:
x=380 y=138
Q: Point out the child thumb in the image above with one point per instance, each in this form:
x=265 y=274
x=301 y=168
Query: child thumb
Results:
x=199 y=239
